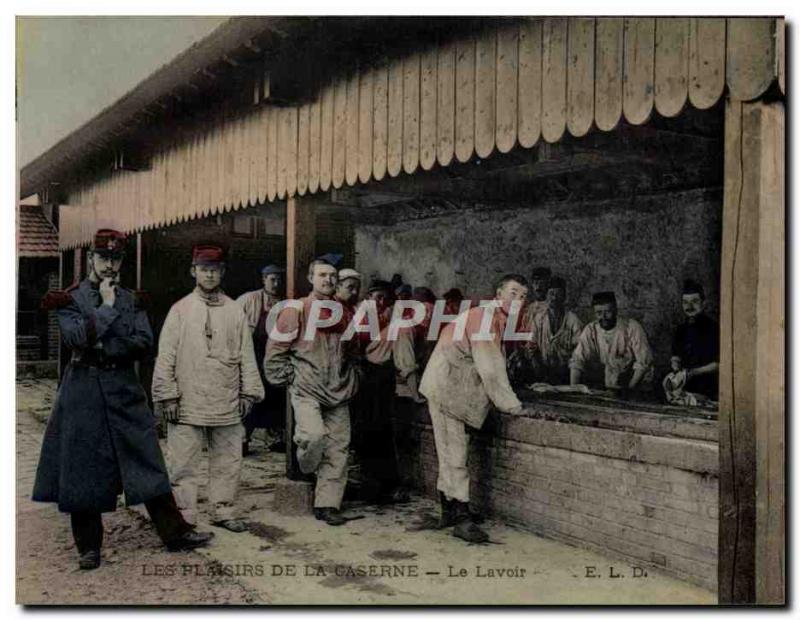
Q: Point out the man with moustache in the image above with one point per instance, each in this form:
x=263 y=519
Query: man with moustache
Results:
x=464 y=377
x=696 y=343
x=101 y=437
x=612 y=350
x=269 y=414
x=321 y=379
x=205 y=383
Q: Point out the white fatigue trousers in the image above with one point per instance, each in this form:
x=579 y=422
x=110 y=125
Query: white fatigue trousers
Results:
x=452 y=446
x=322 y=436
x=184 y=449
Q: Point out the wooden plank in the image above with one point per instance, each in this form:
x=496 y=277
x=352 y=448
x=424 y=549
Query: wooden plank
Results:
x=283 y=154
x=445 y=103
x=351 y=133
x=339 y=132
x=250 y=155
x=554 y=78
x=219 y=168
x=507 y=87
x=314 y=144
x=465 y=99
x=609 y=69
x=326 y=129
x=770 y=541
x=380 y=119
x=262 y=137
x=751 y=535
x=272 y=154
x=672 y=64
x=530 y=82
x=394 y=130
x=241 y=162
x=427 y=108
x=706 y=60
x=752 y=61
x=780 y=39
x=485 y=91
x=580 y=75
x=639 y=68
x=291 y=150
x=303 y=130
x=411 y=113
x=365 y=126
x=226 y=166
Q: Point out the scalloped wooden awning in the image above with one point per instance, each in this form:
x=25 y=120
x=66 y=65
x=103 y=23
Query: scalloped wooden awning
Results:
x=510 y=85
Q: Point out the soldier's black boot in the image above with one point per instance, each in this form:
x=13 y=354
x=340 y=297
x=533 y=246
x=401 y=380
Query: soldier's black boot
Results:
x=331 y=516
x=447 y=516
x=89 y=560
x=465 y=529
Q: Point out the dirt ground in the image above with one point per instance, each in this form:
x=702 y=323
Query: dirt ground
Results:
x=382 y=558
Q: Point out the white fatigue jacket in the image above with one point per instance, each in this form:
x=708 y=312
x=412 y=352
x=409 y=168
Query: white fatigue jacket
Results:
x=321 y=368
x=464 y=377
x=206 y=360
x=556 y=342
x=253 y=303
x=620 y=349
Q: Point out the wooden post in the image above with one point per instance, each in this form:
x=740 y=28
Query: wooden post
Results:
x=751 y=421
x=301 y=234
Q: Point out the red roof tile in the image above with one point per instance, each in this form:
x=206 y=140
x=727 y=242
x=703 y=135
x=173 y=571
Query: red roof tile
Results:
x=36 y=237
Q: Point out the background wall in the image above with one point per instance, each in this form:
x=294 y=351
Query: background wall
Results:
x=642 y=248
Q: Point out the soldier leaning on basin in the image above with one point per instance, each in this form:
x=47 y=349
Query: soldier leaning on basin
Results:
x=322 y=380
x=463 y=378
x=205 y=383
x=101 y=437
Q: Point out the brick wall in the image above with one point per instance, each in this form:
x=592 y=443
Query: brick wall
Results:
x=648 y=499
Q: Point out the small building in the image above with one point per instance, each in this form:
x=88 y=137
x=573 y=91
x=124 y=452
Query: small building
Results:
x=37 y=272
x=626 y=153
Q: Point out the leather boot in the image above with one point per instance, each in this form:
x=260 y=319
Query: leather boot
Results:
x=331 y=516
x=464 y=528
x=89 y=560
x=447 y=516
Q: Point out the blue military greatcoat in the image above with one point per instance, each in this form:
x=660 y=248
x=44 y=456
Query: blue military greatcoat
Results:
x=101 y=438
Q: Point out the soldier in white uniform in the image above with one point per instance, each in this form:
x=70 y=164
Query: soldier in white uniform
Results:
x=463 y=379
x=612 y=350
x=205 y=382
x=321 y=380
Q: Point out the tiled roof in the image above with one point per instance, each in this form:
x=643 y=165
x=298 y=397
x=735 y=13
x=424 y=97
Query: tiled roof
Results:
x=36 y=237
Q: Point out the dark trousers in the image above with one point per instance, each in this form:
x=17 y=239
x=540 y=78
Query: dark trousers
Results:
x=87 y=527
x=375 y=441
x=269 y=413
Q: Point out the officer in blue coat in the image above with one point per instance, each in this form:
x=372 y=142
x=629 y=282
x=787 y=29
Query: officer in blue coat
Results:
x=101 y=438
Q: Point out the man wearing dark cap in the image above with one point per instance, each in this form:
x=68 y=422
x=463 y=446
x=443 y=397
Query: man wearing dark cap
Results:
x=696 y=343
x=205 y=383
x=321 y=380
x=612 y=351
x=101 y=438
x=269 y=414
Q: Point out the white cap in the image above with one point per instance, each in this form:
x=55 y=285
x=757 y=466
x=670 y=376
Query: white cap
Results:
x=349 y=273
